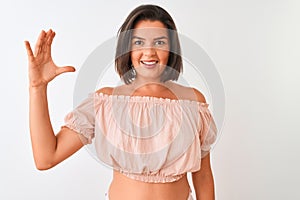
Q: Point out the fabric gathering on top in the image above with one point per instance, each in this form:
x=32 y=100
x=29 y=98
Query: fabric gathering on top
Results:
x=146 y=138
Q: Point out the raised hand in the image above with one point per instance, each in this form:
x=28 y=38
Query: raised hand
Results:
x=42 y=69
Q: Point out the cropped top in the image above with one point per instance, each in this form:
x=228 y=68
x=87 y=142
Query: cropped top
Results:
x=146 y=138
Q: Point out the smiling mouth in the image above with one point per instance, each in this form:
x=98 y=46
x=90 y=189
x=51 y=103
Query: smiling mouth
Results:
x=149 y=63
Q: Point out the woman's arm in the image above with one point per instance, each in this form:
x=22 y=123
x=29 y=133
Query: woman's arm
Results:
x=203 y=181
x=48 y=149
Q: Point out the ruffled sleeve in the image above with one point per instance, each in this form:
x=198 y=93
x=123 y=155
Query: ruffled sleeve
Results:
x=82 y=119
x=208 y=132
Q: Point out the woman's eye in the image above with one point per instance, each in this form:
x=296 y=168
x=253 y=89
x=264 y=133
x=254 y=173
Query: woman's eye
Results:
x=138 y=42
x=160 y=43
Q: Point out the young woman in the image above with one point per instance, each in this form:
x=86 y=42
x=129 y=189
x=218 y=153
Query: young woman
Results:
x=151 y=130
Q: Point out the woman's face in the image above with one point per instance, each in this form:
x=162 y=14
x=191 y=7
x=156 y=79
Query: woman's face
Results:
x=149 y=49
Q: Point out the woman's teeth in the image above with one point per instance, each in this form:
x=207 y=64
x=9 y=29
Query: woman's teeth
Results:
x=149 y=62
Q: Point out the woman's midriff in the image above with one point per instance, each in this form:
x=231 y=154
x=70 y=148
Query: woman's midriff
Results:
x=126 y=188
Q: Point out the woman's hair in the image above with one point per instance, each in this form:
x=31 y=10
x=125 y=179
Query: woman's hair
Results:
x=123 y=62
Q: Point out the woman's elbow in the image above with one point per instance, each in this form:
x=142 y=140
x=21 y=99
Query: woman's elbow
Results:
x=43 y=165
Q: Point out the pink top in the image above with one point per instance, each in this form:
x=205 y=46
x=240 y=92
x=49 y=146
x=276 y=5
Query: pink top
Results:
x=146 y=138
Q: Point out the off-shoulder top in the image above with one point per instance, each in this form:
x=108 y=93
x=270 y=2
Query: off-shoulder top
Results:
x=146 y=138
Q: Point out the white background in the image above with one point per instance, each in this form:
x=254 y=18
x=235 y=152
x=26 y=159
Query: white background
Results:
x=255 y=46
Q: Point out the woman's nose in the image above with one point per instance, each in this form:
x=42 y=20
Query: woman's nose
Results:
x=149 y=51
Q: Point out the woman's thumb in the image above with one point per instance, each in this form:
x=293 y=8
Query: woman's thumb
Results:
x=65 y=69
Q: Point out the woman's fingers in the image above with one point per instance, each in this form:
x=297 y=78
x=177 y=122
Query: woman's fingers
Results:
x=45 y=48
x=49 y=41
x=29 y=51
x=39 y=43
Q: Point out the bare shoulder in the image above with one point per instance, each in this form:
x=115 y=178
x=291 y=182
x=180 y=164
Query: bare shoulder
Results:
x=118 y=90
x=189 y=93
x=199 y=95
x=105 y=90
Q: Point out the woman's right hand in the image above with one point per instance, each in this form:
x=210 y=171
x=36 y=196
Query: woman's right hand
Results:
x=42 y=69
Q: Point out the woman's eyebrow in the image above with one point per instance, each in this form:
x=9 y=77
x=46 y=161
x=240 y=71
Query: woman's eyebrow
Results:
x=137 y=37
x=162 y=37
x=158 y=38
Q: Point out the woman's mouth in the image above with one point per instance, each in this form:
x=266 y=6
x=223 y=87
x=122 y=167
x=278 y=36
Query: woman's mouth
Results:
x=149 y=63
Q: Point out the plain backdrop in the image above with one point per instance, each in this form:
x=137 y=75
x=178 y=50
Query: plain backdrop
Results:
x=255 y=46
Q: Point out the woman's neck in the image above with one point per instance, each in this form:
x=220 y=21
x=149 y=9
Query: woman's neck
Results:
x=158 y=89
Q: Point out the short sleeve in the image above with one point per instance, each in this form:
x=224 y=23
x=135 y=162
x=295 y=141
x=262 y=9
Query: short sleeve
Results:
x=82 y=119
x=208 y=132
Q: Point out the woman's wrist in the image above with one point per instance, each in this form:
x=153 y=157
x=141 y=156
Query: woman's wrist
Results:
x=37 y=88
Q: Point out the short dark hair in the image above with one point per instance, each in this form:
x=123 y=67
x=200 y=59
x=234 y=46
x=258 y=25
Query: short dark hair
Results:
x=123 y=62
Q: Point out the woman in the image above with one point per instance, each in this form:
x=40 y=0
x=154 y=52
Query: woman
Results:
x=151 y=130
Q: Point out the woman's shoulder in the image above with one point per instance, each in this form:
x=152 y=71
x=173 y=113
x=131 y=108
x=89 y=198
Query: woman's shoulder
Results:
x=118 y=90
x=105 y=90
x=189 y=93
x=200 y=97
x=180 y=91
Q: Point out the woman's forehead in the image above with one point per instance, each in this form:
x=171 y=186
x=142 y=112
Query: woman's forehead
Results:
x=150 y=29
x=150 y=32
x=149 y=24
